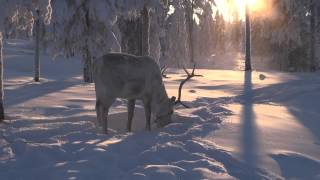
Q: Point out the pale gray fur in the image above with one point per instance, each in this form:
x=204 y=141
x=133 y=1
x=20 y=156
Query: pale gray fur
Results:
x=118 y=75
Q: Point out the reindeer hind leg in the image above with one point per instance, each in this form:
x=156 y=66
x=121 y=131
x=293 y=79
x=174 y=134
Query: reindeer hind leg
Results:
x=105 y=111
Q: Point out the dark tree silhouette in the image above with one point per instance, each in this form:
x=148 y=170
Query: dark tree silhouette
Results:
x=248 y=38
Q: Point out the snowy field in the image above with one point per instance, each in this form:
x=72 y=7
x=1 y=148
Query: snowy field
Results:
x=241 y=126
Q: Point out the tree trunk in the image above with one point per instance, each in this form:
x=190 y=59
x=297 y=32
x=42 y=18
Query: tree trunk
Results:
x=189 y=18
x=87 y=67
x=1 y=81
x=87 y=56
x=313 y=35
x=145 y=31
x=163 y=38
x=248 y=39
x=37 y=50
x=135 y=34
x=130 y=35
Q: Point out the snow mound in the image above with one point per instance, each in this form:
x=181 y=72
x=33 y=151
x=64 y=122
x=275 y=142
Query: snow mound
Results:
x=297 y=166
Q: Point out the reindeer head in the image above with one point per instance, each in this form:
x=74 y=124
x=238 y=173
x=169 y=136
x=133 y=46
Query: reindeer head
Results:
x=165 y=111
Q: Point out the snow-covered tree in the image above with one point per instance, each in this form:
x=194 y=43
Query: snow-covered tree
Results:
x=86 y=27
x=9 y=9
x=220 y=33
x=286 y=35
x=205 y=35
x=183 y=26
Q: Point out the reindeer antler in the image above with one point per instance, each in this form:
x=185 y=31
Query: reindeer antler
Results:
x=163 y=71
x=189 y=76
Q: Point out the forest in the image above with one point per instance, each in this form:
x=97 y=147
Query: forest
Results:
x=159 y=89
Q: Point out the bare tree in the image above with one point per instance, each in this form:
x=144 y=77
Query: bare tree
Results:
x=1 y=80
x=37 y=48
x=248 y=39
x=313 y=26
x=87 y=65
x=145 y=31
x=189 y=18
x=87 y=57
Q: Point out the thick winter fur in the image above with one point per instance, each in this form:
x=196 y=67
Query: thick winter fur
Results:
x=118 y=75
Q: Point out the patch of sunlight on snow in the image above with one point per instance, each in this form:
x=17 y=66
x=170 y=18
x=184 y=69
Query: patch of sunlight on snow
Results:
x=109 y=142
x=274 y=125
x=220 y=83
x=271 y=116
x=61 y=164
x=94 y=141
x=280 y=118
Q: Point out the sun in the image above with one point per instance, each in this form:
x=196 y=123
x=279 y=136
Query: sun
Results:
x=255 y=5
x=258 y=8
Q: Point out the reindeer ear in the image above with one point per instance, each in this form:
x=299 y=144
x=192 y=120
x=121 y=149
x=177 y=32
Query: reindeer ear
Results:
x=173 y=99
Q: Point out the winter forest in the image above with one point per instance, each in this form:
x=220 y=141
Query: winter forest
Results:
x=159 y=89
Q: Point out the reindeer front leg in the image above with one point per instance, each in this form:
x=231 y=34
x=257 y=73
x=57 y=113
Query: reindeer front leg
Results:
x=131 y=105
x=147 y=111
x=105 y=119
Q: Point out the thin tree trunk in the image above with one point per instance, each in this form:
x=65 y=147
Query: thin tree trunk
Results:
x=87 y=67
x=145 y=31
x=248 y=39
x=1 y=81
x=37 y=49
x=189 y=18
x=163 y=38
x=313 y=35
x=87 y=57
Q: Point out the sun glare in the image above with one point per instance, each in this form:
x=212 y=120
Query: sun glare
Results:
x=255 y=5
x=258 y=8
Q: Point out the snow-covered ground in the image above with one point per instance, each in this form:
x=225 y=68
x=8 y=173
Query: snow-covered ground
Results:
x=240 y=126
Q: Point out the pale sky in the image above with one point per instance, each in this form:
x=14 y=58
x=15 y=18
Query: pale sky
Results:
x=222 y=5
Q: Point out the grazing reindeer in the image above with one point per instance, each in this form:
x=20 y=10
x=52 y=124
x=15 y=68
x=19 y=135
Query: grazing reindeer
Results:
x=118 y=75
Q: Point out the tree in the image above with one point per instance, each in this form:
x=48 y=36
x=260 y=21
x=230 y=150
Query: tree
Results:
x=86 y=27
x=176 y=35
x=189 y=8
x=163 y=28
x=286 y=35
x=145 y=31
x=7 y=9
x=313 y=26
x=206 y=41
x=1 y=80
x=135 y=33
x=37 y=48
x=248 y=38
x=236 y=27
x=220 y=33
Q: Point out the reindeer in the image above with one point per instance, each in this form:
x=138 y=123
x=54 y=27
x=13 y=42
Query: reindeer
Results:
x=118 y=75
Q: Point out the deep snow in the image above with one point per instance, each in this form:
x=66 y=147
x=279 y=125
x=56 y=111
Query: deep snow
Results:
x=240 y=126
